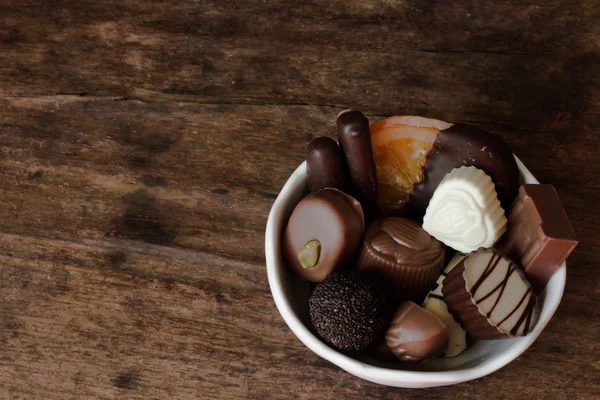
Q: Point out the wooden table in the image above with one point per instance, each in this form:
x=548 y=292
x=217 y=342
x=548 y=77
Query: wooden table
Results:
x=143 y=143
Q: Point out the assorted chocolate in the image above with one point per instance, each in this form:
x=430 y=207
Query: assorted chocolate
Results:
x=348 y=309
x=355 y=141
x=490 y=296
x=372 y=273
x=464 y=211
x=325 y=165
x=463 y=145
x=405 y=257
x=415 y=334
x=539 y=236
x=322 y=233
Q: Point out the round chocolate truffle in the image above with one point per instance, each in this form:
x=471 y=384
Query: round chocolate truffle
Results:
x=348 y=310
x=323 y=233
x=407 y=258
x=415 y=334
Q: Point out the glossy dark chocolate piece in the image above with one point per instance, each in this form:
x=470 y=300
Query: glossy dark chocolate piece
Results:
x=355 y=139
x=332 y=218
x=539 y=235
x=463 y=145
x=490 y=297
x=407 y=258
x=415 y=334
x=348 y=310
x=325 y=165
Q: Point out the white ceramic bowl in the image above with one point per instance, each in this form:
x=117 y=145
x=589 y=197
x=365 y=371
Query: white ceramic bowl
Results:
x=291 y=297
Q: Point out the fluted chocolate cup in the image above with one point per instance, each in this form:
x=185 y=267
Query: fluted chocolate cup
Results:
x=490 y=297
x=406 y=258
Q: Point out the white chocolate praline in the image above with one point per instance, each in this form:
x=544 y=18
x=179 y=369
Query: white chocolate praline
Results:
x=464 y=212
x=435 y=304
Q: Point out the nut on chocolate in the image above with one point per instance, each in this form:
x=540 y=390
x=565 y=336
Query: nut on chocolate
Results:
x=330 y=218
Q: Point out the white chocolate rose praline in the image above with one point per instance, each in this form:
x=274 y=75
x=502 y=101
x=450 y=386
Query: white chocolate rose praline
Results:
x=464 y=212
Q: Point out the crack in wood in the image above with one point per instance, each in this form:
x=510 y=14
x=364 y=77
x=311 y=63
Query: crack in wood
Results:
x=164 y=98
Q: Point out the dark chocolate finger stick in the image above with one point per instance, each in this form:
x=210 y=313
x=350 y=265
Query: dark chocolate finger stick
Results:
x=325 y=165
x=355 y=140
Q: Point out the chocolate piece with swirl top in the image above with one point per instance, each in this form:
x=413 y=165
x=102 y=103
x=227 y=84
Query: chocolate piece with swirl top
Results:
x=490 y=297
x=407 y=258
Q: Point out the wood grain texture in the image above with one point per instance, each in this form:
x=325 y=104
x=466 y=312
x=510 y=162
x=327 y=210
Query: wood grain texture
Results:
x=143 y=143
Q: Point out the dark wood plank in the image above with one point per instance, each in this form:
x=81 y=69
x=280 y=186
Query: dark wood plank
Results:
x=527 y=64
x=143 y=143
x=193 y=175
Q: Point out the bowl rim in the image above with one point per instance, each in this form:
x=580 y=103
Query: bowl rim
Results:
x=400 y=378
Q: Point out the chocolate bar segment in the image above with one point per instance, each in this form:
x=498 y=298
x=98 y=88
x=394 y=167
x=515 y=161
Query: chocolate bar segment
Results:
x=539 y=236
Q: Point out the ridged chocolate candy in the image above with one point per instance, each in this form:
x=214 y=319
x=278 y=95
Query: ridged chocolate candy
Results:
x=490 y=296
x=464 y=212
x=407 y=258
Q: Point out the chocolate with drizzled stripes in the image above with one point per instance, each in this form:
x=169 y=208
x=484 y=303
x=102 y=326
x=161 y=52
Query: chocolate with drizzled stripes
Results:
x=490 y=297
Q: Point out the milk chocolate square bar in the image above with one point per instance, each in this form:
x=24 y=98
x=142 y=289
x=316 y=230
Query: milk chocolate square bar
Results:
x=539 y=236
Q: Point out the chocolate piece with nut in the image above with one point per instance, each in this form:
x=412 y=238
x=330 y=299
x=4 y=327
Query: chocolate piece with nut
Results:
x=323 y=233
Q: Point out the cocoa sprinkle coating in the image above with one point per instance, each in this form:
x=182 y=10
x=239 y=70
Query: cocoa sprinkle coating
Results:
x=348 y=310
